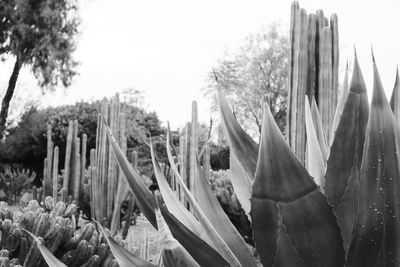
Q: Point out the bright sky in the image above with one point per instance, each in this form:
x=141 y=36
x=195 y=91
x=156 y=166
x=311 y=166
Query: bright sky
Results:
x=166 y=48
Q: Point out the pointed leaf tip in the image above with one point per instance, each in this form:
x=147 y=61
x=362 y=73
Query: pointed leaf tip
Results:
x=240 y=143
x=284 y=191
x=50 y=259
x=395 y=98
x=276 y=159
x=357 y=84
x=378 y=94
x=372 y=54
x=316 y=166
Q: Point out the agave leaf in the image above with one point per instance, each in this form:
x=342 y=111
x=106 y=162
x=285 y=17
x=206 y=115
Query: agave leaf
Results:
x=243 y=154
x=123 y=256
x=377 y=230
x=340 y=105
x=173 y=148
x=240 y=142
x=172 y=253
x=241 y=185
x=395 y=98
x=173 y=204
x=342 y=175
x=213 y=235
x=203 y=253
x=218 y=218
x=282 y=187
x=50 y=259
x=316 y=116
x=142 y=195
x=286 y=254
x=316 y=165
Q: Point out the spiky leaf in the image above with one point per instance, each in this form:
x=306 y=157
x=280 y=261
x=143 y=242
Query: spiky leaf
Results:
x=321 y=135
x=316 y=164
x=283 y=188
x=244 y=151
x=340 y=105
x=209 y=203
x=395 y=98
x=142 y=195
x=123 y=256
x=172 y=253
x=210 y=230
x=344 y=162
x=174 y=205
x=203 y=253
x=377 y=232
x=50 y=259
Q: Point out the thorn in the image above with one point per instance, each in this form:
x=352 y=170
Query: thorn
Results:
x=373 y=56
x=355 y=51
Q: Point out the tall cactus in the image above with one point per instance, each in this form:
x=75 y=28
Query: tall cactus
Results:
x=194 y=144
x=55 y=174
x=67 y=161
x=47 y=182
x=108 y=188
x=313 y=71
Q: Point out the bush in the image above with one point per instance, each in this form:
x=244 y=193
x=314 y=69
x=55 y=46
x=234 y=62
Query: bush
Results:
x=219 y=157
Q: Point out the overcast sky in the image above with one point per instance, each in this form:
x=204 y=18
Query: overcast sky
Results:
x=166 y=48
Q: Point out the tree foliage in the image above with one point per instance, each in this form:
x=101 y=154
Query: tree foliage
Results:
x=26 y=143
x=39 y=34
x=258 y=68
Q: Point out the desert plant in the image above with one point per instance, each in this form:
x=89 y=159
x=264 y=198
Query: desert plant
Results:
x=15 y=181
x=51 y=230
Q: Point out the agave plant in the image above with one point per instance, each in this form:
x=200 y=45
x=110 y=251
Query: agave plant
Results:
x=340 y=210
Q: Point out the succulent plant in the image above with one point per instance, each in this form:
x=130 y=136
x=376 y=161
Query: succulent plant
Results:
x=53 y=226
x=15 y=181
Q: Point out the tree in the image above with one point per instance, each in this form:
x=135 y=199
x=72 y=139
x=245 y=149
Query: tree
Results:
x=39 y=34
x=258 y=68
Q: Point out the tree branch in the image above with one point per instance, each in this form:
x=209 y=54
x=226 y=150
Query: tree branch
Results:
x=255 y=116
x=9 y=94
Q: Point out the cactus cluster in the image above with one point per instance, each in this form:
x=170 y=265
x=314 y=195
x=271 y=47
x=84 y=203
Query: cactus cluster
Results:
x=74 y=165
x=55 y=225
x=223 y=190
